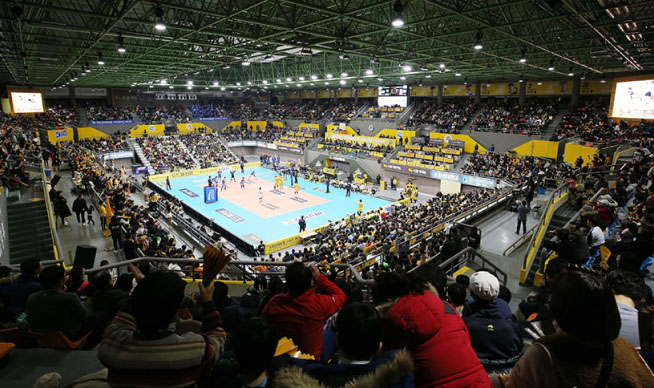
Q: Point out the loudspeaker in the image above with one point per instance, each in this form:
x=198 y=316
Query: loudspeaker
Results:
x=55 y=179
x=85 y=256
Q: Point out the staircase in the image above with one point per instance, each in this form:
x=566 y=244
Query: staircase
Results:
x=183 y=146
x=83 y=118
x=549 y=130
x=406 y=114
x=224 y=143
x=29 y=232
x=139 y=152
x=466 y=126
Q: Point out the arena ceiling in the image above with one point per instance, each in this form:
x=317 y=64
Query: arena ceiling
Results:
x=230 y=42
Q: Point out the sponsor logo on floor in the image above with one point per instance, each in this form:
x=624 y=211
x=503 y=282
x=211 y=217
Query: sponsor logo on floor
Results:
x=270 y=206
x=306 y=217
x=277 y=192
x=230 y=215
x=189 y=193
x=298 y=199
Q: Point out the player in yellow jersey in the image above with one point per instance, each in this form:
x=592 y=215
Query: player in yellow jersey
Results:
x=295 y=188
x=360 y=208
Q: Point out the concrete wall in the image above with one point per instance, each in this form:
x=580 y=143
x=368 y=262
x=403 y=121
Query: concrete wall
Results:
x=4 y=228
x=216 y=125
x=503 y=141
x=362 y=126
x=110 y=129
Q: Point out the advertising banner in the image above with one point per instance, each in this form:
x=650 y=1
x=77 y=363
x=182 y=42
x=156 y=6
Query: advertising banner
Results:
x=459 y=90
x=548 y=88
x=108 y=122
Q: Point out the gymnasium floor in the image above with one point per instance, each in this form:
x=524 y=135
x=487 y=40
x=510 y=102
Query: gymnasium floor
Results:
x=276 y=217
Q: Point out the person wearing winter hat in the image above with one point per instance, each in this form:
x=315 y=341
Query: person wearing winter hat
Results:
x=494 y=336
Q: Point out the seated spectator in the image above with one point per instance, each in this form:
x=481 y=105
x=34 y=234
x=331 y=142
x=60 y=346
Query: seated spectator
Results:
x=629 y=290
x=495 y=338
x=76 y=283
x=138 y=344
x=53 y=309
x=456 y=293
x=359 y=337
x=586 y=350
x=416 y=318
x=301 y=313
x=25 y=284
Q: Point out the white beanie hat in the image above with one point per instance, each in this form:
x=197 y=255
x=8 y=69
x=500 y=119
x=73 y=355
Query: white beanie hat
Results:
x=484 y=285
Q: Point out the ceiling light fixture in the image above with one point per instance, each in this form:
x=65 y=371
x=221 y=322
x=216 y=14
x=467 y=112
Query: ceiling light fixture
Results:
x=478 y=45
x=121 y=48
x=329 y=75
x=369 y=72
x=342 y=82
x=442 y=65
x=343 y=74
x=407 y=68
x=397 y=21
x=159 y=24
x=551 y=68
x=523 y=56
x=457 y=74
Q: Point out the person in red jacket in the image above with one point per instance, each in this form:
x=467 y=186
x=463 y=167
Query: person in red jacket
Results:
x=301 y=313
x=416 y=318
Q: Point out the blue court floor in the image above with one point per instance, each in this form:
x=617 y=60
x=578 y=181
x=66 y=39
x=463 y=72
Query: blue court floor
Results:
x=239 y=210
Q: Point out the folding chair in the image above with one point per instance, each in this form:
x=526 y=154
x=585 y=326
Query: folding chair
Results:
x=17 y=336
x=57 y=340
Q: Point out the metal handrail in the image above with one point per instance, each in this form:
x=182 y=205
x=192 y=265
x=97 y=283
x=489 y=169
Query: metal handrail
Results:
x=466 y=253
x=52 y=220
x=239 y=263
x=544 y=220
x=521 y=240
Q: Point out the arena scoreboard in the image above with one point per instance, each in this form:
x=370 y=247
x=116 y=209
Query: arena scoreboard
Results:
x=393 y=95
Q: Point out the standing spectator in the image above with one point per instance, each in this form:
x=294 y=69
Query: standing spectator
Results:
x=53 y=309
x=301 y=313
x=523 y=210
x=80 y=207
x=116 y=232
x=495 y=338
x=102 y=211
x=139 y=349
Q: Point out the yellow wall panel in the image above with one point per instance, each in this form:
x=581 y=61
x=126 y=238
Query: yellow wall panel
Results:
x=90 y=133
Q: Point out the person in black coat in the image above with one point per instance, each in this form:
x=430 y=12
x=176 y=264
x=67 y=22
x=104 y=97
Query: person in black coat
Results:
x=59 y=205
x=80 y=207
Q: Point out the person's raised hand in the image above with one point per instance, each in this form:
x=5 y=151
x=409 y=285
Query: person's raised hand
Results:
x=315 y=273
x=206 y=292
